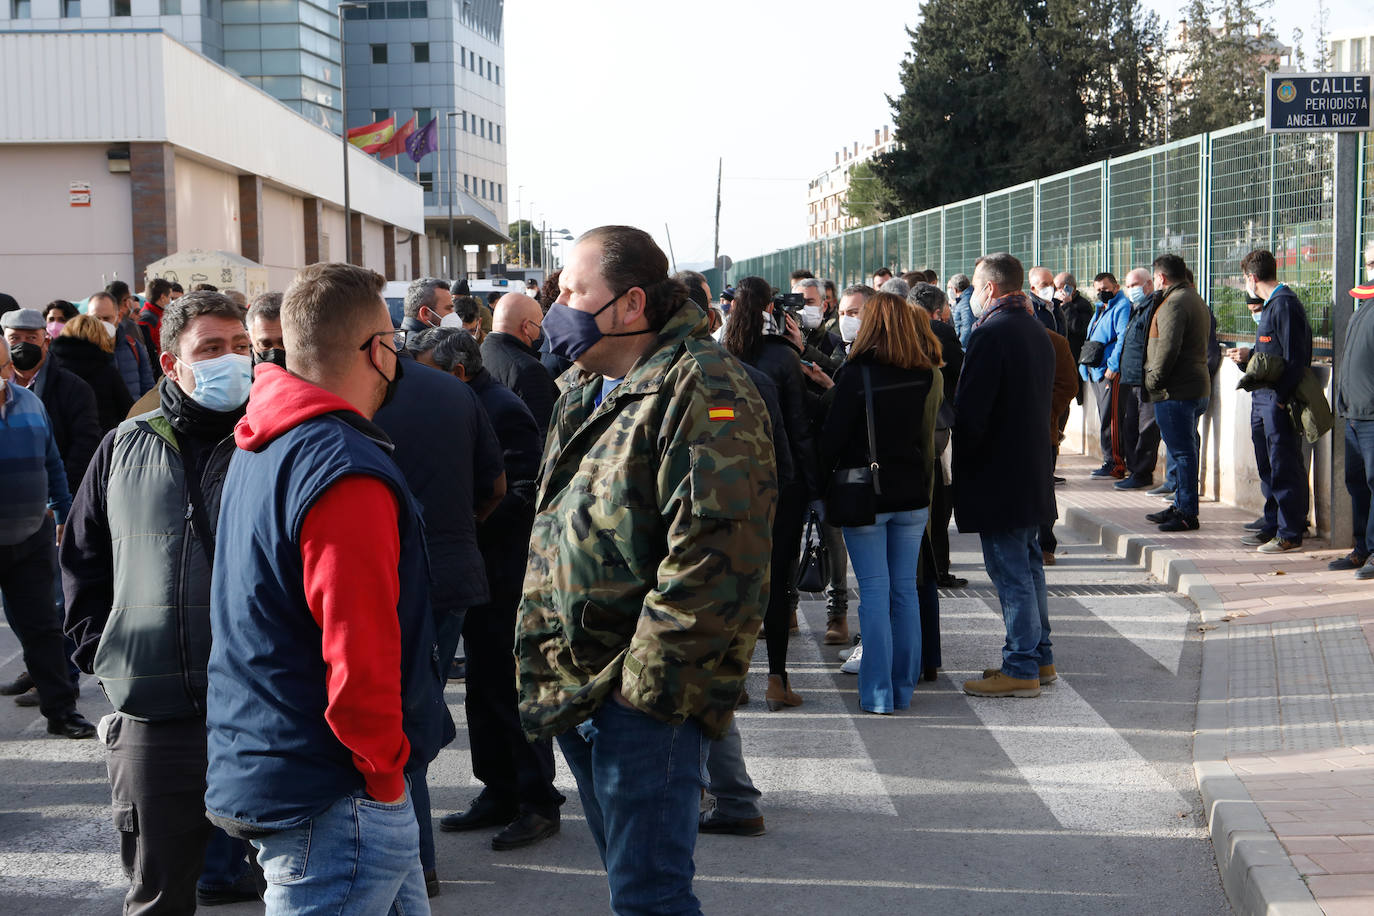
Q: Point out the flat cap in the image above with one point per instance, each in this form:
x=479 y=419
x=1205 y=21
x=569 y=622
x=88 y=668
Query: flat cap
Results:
x=23 y=320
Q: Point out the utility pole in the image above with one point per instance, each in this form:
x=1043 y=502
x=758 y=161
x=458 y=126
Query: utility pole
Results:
x=671 y=256
x=343 y=128
x=715 y=245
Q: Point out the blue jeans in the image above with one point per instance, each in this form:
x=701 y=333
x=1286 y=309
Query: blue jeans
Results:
x=640 y=782
x=886 y=556
x=1178 y=428
x=1359 y=479
x=358 y=856
x=1016 y=567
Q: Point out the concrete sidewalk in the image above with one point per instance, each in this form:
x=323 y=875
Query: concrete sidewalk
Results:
x=1284 y=751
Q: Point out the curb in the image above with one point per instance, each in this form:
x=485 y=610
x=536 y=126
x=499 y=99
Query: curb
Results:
x=1258 y=876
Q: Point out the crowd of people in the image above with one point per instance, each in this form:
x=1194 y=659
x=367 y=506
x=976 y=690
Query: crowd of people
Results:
x=605 y=492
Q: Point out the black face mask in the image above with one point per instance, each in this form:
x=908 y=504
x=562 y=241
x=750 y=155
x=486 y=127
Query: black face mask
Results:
x=274 y=356
x=26 y=356
x=1105 y=296
x=392 y=382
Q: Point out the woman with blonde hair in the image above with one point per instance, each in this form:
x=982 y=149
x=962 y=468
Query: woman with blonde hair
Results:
x=878 y=451
x=86 y=348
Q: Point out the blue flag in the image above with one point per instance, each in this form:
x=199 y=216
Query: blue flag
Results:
x=423 y=141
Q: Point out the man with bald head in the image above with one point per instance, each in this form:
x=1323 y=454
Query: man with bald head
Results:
x=1047 y=310
x=511 y=354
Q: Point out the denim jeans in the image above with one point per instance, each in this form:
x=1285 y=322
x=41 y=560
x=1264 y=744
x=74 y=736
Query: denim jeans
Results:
x=640 y=782
x=886 y=556
x=358 y=856
x=1177 y=421
x=1017 y=570
x=1359 y=479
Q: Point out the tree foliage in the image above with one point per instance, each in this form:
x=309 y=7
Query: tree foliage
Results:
x=1227 y=47
x=996 y=92
x=869 y=201
x=524 y=247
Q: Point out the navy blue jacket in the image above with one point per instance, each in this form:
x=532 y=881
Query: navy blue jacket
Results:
x=273 y=759
x=450 y=457
x=962 y=312
x=1003 y=461
x=1283 y=331
x=517 y=366
x=504 y=537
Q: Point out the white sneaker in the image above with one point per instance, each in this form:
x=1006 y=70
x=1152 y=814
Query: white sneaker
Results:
x=851 y=664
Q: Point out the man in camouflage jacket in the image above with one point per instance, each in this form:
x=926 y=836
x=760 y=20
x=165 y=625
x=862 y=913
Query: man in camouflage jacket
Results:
x=647 y=561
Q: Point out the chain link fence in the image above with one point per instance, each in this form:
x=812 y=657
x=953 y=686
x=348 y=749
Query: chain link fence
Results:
x=1209 y=198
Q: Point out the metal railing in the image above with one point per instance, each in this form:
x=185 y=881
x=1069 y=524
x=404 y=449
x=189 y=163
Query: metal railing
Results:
x=1209 y=198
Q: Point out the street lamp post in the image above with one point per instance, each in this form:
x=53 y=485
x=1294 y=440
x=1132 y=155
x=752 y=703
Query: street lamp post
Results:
x=343 y=130
x=452 y=174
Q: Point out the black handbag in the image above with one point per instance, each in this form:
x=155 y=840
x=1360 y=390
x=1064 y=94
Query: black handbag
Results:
x=814 y=569
x=1092 y=353
x=851 y=501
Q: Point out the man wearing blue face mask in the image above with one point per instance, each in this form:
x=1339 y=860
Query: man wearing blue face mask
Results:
x=140 y=615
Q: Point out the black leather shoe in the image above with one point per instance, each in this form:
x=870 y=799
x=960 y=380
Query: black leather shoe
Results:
x=1180 y=522
x=1256 y=525
x=22 y=684
x=1163 y=515
x=71 y=725
x=952 y=581
x=526 y=830
x=715 y=822
x=1258 y=538
x=1352 y=560
x=484 y=812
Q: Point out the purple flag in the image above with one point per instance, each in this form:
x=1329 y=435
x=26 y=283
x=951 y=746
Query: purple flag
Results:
x=423 y=141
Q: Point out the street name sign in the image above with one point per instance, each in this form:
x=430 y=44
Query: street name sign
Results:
x=1316 y=102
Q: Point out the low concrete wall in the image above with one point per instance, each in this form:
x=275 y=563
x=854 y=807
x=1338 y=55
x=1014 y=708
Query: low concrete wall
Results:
x=1228 y=466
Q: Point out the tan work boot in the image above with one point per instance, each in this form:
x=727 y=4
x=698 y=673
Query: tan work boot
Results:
x=999 y=685
x=837 y=631
x=780 y=694
x=1047 y=674
x=792 y=624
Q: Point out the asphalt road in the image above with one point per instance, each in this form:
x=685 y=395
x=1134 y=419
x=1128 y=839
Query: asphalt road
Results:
x=1080 y=801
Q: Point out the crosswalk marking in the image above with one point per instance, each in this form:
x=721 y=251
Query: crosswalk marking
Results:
x=1082 y=769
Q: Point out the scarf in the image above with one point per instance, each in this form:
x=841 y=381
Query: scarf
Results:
x=1008 y=302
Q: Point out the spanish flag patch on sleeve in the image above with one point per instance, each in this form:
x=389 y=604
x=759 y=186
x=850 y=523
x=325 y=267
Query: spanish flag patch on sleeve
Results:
x=722 y=413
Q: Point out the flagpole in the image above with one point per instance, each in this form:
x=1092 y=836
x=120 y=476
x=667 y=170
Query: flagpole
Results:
x=343 y=129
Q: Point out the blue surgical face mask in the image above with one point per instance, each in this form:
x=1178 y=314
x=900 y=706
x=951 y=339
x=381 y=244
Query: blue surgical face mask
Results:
x=1135 y=294
x=571 y=333
x=1256 y=316
x=222 y=383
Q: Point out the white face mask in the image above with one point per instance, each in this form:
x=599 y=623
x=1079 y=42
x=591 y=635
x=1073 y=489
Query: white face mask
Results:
x=978 y=304
x=811 y=317
x=1047 y=293
x=849 y=327
x=451 y=320
x=109 y=328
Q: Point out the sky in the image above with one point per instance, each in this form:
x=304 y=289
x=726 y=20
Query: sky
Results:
x=618 y=111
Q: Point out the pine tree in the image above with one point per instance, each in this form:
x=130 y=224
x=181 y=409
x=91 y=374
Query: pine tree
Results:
x=1228 y=46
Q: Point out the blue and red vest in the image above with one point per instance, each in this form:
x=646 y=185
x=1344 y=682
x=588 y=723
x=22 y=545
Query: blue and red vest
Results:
x=273 y=760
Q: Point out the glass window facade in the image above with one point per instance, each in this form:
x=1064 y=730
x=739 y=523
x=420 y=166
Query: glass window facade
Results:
x=290 y=48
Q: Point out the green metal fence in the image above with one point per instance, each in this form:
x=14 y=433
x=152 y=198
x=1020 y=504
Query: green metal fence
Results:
x=1209 y=198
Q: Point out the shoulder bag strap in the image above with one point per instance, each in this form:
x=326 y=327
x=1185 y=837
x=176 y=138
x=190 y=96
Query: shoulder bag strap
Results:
x=872 y=435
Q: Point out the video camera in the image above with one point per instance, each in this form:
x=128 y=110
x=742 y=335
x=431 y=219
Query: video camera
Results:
x=792 y=303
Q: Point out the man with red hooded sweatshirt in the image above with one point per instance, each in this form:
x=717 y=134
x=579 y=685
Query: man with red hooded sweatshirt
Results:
x=323 y=690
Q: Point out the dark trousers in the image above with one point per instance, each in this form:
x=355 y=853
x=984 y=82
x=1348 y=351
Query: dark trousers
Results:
x=514 y=770
x=27 y=570
x=157 y=795
x=837 y=581
x=1107 y=394
x=1140 y=432
x=941 y=510
x=787 y=532
x=1359 y=480
x=1278 y=458
x=448 y=629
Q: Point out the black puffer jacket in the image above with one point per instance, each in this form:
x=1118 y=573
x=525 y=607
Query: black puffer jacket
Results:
x=96 y=368
x=1135 y=339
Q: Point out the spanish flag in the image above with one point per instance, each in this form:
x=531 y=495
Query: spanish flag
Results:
x=374 y=136
x=397 y=144
x=721 y=413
